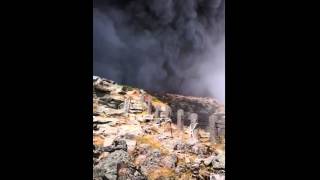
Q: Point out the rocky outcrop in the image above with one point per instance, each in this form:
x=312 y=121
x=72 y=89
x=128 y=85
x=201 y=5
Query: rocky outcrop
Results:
x=135 y=135
x=117 y=165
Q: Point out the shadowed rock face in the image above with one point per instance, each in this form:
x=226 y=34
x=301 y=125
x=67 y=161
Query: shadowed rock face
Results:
x=203 y=106
x=117 y=165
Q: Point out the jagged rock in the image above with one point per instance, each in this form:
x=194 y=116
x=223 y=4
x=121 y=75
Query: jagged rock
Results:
x=108 y=168
x=102 y=87
x=136 y=107
x=110 y=102
x=116 y=145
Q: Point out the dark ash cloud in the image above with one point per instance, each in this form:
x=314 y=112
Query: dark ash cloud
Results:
x=163 y=45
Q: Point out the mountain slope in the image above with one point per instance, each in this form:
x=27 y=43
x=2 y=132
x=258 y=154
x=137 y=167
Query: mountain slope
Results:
x=136 y=136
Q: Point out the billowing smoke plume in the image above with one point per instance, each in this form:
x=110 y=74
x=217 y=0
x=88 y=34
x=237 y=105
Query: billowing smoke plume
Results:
x=164 y=45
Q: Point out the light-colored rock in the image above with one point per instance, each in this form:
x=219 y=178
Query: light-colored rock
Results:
x=140 y=159
x=169 y=161
x=129 y=129
x=208 y=160
x=131 y=145
x=203 y=134
x=219 y=161
x=217 y=177
x=198 y=161
x=108 y=141
x=160 y=149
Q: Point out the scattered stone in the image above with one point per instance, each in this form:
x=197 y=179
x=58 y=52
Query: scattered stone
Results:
x=116 y=145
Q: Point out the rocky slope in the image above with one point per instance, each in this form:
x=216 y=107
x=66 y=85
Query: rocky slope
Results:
x=135 y=135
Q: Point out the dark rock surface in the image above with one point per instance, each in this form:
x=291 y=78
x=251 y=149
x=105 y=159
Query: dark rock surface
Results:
x=117 y=165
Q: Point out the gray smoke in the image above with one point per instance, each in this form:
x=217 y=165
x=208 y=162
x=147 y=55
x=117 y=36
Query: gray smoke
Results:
x=163 y=45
